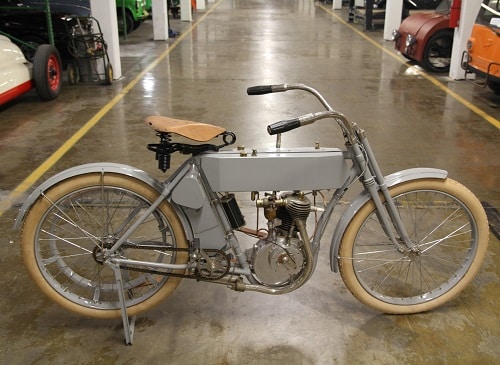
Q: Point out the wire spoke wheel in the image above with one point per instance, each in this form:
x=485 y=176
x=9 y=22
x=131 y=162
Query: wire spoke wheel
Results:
x=447 y=224
x=69 y=227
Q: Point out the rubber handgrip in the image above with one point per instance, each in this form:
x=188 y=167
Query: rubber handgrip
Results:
x=283 y=126
x=260 y=90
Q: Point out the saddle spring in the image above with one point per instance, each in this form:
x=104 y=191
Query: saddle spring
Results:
x=165 y=148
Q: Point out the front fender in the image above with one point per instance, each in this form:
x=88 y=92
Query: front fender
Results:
x=390 y=180
x=107 y=167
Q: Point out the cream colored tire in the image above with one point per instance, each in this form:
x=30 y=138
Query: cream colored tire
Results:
x=66 y=228
x=449 y=226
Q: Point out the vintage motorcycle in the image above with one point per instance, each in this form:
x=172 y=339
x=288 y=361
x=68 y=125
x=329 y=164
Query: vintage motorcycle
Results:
x=108 y=240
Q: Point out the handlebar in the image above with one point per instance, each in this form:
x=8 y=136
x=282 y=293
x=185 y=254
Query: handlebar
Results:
x=265 y=89
x=288 y=125
x=268 y=89
x=283 y=126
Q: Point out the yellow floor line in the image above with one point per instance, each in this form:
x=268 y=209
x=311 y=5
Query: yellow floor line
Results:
x=495 y=122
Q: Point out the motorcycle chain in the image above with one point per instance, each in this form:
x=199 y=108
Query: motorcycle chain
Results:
x=197 y=275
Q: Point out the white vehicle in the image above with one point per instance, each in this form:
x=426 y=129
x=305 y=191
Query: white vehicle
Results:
x=18 y=76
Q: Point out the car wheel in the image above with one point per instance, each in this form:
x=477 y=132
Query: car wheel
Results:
x=137 y=24
x=494 y=86
x=47 y=72
x=437 y=52
x=129 y=22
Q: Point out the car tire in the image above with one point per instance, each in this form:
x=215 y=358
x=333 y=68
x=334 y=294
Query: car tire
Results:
x=137 y=24
x=129 y=21
x=47 y=72
x=494 y=86
x=437 y=52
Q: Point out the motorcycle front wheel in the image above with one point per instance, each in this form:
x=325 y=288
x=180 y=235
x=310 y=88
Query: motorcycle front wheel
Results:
x=448 y=225
x=69 y=226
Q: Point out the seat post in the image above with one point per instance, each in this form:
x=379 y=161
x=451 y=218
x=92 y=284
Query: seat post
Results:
x=162 y=150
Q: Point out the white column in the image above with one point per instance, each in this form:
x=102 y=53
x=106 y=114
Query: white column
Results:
x=393 y=15
x=337 y=4
x=200 y=5
x=105 y=12
x=160 y=20
x=186 y=15
x=468 y=15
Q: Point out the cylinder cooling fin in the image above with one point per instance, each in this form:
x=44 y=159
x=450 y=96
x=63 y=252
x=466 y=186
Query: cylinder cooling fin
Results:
x=298 y=207
x=285 y=218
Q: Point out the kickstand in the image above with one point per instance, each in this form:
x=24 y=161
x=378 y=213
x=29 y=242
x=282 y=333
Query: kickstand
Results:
x=128 y=323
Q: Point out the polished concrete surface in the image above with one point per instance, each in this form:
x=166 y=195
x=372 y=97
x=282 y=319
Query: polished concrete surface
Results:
x=412 y=119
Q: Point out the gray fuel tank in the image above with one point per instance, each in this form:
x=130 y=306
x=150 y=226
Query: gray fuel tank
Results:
x=279 y=169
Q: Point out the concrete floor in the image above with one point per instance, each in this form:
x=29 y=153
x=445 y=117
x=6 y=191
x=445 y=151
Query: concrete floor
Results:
x=411 y=119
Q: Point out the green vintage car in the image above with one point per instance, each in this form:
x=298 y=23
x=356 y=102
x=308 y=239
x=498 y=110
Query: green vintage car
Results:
x=131 y=13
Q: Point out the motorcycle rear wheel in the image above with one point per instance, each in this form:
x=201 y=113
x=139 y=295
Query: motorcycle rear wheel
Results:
x=68 y=226
x=449 y=226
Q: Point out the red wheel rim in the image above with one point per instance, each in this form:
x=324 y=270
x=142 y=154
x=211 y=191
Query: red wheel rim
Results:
x=53 y=73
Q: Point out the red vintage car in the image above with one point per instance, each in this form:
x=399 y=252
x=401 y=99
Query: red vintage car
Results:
x=427 y=39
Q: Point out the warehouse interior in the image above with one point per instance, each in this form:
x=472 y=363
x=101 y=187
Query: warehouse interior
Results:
x=413 y=119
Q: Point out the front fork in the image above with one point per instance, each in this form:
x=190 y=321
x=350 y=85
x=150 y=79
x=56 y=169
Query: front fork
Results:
x=374 y=181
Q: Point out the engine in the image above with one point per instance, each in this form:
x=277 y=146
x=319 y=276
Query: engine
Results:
x=280 y=257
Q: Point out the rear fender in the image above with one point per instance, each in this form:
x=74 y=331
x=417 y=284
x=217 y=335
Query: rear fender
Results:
x=391 y=180
x=101 y=167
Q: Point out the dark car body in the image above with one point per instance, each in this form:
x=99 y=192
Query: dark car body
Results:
x=26 y=20
x=427 y=39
